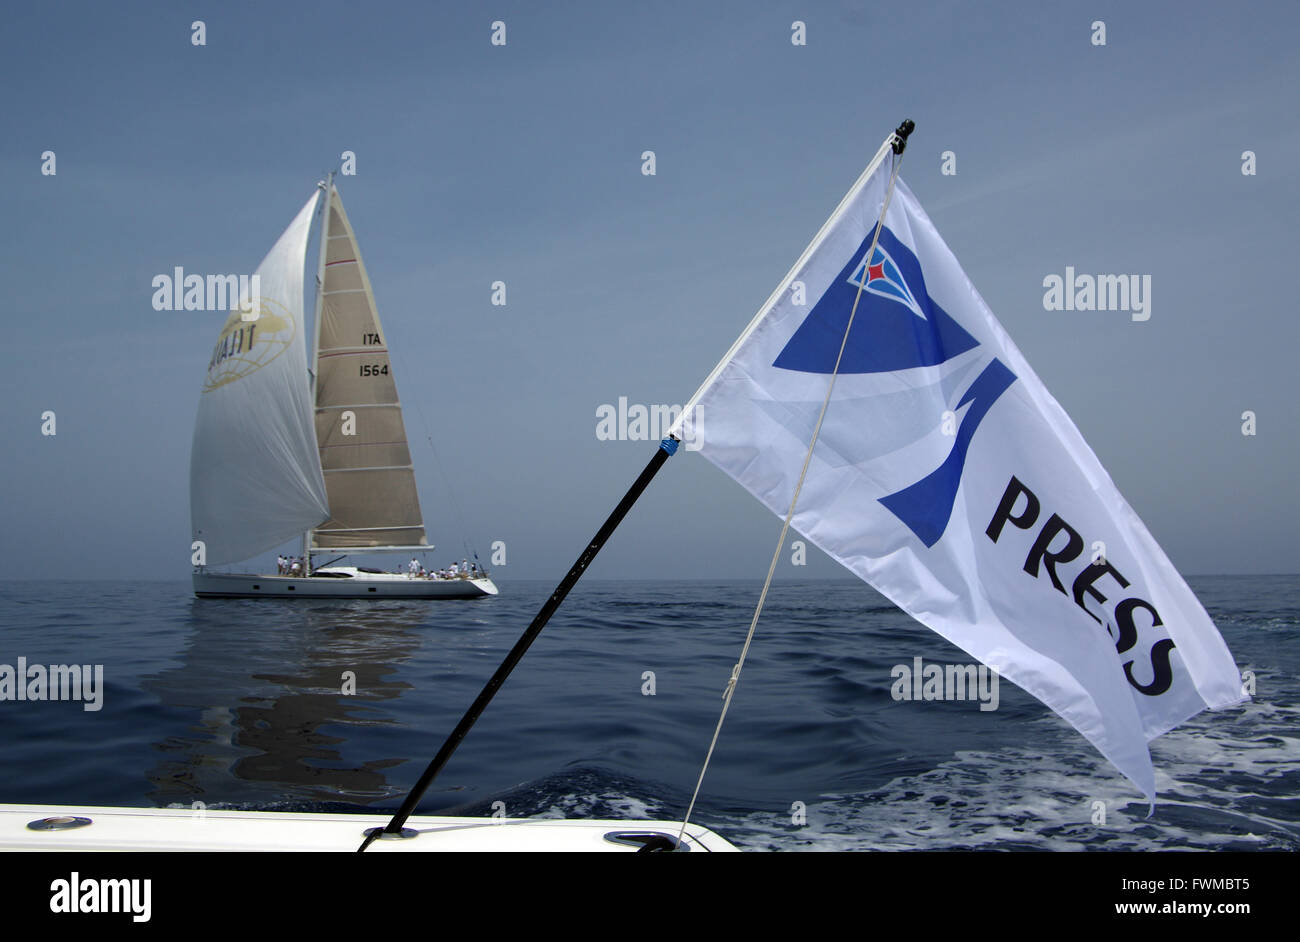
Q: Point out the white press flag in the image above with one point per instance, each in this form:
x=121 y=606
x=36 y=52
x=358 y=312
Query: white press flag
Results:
x=947 y=476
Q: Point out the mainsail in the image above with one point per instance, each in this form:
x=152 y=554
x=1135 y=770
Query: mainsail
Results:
x=255 y=479
x=363 y=449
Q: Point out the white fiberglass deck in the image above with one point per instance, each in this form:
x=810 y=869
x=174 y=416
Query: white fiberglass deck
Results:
x=180 y=829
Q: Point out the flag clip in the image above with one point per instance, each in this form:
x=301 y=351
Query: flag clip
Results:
x=901 y=135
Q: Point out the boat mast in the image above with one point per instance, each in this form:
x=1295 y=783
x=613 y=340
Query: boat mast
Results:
x=315 y=344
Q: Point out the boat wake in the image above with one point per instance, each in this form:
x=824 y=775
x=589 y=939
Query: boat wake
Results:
x=1210 y=797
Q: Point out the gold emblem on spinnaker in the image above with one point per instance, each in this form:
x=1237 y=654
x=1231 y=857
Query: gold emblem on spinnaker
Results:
x=245 y=346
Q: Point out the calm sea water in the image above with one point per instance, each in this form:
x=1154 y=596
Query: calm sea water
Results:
x=239 y=704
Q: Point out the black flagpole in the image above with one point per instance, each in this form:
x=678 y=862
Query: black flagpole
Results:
x=394 y=827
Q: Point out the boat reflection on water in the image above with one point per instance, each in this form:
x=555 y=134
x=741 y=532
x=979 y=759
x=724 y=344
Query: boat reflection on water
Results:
x=266 y=685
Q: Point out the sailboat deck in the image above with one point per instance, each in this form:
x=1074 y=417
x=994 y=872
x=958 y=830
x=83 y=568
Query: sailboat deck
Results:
x=172 y=829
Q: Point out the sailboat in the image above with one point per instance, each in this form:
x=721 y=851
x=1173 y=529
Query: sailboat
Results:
x=281 y=450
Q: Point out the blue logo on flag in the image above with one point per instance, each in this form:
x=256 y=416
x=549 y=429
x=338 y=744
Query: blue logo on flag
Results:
x=898 y=326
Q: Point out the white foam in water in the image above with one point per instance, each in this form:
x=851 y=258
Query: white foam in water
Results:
x=1209 y=775
x=607 y=804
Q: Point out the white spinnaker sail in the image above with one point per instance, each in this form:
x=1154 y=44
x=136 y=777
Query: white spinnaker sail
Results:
x=363 y=449
x=255 y=477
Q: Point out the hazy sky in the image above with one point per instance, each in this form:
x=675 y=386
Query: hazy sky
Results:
x=522 y=163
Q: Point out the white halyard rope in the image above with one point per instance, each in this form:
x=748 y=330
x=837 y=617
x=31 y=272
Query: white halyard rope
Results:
x=785 y=528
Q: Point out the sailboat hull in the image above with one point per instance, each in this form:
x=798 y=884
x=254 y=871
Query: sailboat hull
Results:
x=225 y=585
